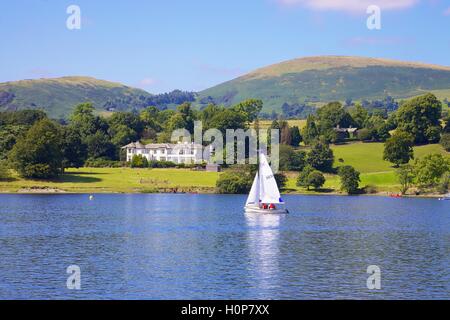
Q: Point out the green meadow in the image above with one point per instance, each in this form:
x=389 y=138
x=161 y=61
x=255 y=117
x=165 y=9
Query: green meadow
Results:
x=365 y=157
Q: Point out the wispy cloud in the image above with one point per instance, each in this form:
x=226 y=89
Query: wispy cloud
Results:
x=447 y=12
x=352 y=6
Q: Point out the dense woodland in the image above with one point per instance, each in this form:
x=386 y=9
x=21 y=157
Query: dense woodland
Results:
x=41 y=148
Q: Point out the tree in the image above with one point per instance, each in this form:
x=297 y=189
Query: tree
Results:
x=399 y=148
x=38 y=154
x=187 y=116
x=290 y=159
x=315 y=179
x=433 y=134
x=281 y=179
x=359 y=115
x=349 y=179
x=83 y=120
x=445 y=141
x=310 y=131
x=430 y=169
x=332 y=115
x=138 y=161
x=309 y=177
x=4 y=171
x=321 y=157
x=250 y=109
x=447 y=125
x=233 y=183
x=296 y=137
x=74 y=150
x=285 y=133
x=99 y=146
x=405 y=174
x=228 y=119
x=417 y=115
x=302 y=179
x=365 y=134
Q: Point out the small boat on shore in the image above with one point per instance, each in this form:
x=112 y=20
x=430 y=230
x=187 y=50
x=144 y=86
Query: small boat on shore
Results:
x=264 y=195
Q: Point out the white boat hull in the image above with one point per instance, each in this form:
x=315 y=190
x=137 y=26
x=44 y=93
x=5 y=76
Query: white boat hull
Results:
x=265 y=211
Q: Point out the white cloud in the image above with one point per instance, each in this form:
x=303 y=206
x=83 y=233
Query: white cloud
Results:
x=353 y=6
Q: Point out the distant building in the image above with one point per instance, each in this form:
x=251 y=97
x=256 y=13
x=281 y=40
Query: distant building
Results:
x=187 y=153
x=346 y=133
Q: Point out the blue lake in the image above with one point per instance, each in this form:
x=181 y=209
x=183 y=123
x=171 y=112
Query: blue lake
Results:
x=204 y=247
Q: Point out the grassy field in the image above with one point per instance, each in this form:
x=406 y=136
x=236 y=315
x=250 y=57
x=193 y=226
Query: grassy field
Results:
x=264 y=124
x=125 y=180
x=365 y=157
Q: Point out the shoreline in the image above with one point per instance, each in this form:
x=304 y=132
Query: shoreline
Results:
x=55 y=191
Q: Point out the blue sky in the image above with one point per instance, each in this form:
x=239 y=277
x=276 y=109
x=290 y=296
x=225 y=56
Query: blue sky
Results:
x=192 y=45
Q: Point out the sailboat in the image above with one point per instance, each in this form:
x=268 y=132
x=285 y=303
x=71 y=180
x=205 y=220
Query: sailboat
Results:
x=264 y=191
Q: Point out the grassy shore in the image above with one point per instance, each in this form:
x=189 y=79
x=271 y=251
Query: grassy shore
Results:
x=365 y=157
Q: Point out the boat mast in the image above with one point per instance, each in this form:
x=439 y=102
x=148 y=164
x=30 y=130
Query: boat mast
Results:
x=257 y=153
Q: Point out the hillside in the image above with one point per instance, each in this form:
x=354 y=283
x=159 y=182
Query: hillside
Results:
x=330 y=78
x=58 y=96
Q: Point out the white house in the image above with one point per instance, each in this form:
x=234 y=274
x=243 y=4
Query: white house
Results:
x=187 y=153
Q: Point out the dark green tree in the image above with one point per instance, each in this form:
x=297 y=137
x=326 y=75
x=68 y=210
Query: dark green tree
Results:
x=296 y=137
x=417 y=115
x=445 y=141
x=398 y=149
x=310 y=132
x=73 y=148
x=321 y=157
x=290 y=159
x=100 y=146
x=38 y=154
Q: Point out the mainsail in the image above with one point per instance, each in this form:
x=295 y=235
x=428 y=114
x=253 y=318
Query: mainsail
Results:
x=264 y=188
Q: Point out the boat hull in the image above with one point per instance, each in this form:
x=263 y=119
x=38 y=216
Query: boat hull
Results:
x=265 y=211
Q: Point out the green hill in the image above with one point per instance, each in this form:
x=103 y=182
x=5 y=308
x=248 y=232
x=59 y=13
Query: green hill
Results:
x=331 y=78
x=58 y=96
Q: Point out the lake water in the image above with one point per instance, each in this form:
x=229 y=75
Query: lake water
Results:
x=204 y=247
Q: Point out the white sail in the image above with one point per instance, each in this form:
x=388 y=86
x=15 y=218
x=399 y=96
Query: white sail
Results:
x=268 y=188
x=253 y=197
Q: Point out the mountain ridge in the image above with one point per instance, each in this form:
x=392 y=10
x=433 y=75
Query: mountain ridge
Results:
x=321 y=79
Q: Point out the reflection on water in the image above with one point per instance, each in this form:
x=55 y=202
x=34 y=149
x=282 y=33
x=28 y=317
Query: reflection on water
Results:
x=263 y=246
x=205 y=247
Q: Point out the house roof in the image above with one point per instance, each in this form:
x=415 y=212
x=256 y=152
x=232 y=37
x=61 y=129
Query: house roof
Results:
x=139 y=145
x=349 y=130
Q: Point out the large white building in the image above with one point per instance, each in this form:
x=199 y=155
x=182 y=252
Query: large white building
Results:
x=187 y=153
